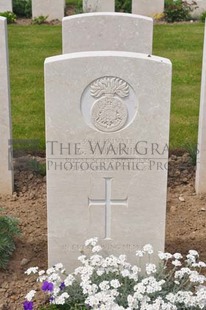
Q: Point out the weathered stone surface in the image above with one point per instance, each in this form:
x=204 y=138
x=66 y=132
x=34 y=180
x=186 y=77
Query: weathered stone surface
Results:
x=112 y=32
x=201 y=155
x=5 y=5
x=98 y=6
x=54 y=9
x=6 y=175
x=107 y=124
x=147 y=7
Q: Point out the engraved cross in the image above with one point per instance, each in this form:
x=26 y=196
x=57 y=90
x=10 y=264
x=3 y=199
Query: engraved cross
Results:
x=107 y=202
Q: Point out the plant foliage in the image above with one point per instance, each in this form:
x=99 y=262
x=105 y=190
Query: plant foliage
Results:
x=203 y=16
x=113 y=283
x=123 y=6
x=22 y=8
x=8 y=230
x=178 y=10
x=39 y=20
x=192 y=150
x=11 y=17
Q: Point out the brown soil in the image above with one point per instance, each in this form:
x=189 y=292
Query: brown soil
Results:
x=28 y=21
x=23 y=21
x=186 y=225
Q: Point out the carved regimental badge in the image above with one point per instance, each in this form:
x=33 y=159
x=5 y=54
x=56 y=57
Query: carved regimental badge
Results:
x=109 y=112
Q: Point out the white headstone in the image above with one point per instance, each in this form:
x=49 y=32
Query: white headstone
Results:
x=147 y=7
x=201 y=155
x=54 y=9
x=5 y=5
x=107 y=31
x=6 y=175
x=107 y=124
x=198 y=9
x=98 y=6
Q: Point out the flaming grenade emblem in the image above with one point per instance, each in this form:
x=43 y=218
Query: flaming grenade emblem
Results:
x=109 y=112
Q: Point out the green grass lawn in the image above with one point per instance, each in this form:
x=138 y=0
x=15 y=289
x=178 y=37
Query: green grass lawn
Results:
x=183 y=45
x=30 y=45
x=72 y=2
x=28 y=48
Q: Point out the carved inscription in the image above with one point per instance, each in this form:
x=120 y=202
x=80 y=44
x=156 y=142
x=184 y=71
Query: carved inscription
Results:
x=109 y=104
x=109 y=112
x=108 y=202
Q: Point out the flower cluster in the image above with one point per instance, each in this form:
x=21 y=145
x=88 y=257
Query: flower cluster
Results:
x=113 y=283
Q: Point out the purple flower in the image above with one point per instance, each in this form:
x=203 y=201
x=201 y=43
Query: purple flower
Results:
x=47 y=286
x=28 y=305
x=62 y=286
x=51 y=298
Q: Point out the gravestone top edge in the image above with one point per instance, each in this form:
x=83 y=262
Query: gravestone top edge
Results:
x=104 y=14
x=3 y=19
x=107 y=54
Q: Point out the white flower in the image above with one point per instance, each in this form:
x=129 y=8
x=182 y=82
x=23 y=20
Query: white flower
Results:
x=60 y=300
x=164 y=256
x=196 y=277
x=152 y=285
x=50 y=270
x=96 y=260
x=32 y=270
x=136 y=269
x=56 y=291
x=191 y=259
x=147 y=291
x=42 y=278
x=182 y=272
x=82 y=259
x=115 y=283
x=92 y=242
x=176 y=263
x=171 y=297
x=58 y=266
x=148 y=248
x=200 y=264
x=177 y=256
x=131 y=300
x=125 y=273
x=140 y=253
x=41 y=272
x=193 y=253
x=150 y=268
x=100 y=271
x=96 y=249
x=30 y=295
x=69 y=280
x=192 y=256
x=104 y=285
x=122 y=258
x=201 y=297
x=92 y=301
x=140 y=289
x=54 y=277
